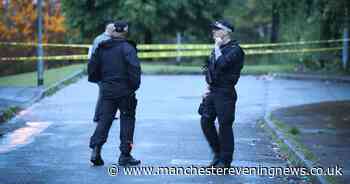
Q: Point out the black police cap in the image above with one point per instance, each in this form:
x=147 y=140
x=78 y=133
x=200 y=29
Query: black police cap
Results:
x=222 y=24
x=121 y=26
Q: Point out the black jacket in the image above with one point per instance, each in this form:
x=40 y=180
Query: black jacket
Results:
x=116 y=67
x=223 y=74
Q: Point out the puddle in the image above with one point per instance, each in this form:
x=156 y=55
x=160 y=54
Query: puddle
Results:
x=22 y=136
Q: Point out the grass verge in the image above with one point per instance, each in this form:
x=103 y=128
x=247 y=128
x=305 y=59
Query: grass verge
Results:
x=294 y=138
x=51 y=76
x=157 y=68
x=9 y=113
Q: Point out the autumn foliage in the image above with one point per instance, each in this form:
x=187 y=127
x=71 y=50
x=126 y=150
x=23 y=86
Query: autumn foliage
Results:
x=18 y=21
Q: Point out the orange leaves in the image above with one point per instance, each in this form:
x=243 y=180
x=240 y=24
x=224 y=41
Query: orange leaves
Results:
x=19 y=21
x=54 y=23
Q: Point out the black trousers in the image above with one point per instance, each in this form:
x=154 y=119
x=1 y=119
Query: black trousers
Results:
x=98 y=107
x=127 y=107
x=219 y=105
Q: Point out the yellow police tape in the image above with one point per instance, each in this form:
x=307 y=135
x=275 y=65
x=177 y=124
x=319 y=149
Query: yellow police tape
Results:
x=46 y=58
x=170 y=54
x=294 y=43
x=34 y=44
x=175 y=46
x=300 y=51
x=245 y=46
x=179 y=46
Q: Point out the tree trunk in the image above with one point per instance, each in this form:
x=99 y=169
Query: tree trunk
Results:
x=324 y=33
x=275 y=22
x=345 y=53
x=7 y=13
x=148 y=36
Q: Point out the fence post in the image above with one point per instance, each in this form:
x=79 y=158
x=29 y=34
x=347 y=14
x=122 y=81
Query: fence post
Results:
x=178 y=43
x=345 y=54
x=40 y=62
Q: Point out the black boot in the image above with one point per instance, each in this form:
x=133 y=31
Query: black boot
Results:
x=214 y=161
x=128 y=160
x=96 y=158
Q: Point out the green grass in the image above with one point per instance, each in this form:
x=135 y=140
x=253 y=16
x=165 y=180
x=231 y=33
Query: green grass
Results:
x=54 y=75
x=51 y=76
x=294 y=130
x=9 y=113
x=156 y=68
x=265 y=69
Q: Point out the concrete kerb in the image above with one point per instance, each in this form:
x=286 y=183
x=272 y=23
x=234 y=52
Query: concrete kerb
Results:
x=55 y=87
x=291 y=147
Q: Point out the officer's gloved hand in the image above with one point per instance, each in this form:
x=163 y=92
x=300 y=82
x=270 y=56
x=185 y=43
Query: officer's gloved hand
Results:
x=117 y=115
x=218 y=43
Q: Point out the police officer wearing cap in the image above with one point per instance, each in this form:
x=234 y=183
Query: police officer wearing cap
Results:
x=222 y=72
x=116 y=67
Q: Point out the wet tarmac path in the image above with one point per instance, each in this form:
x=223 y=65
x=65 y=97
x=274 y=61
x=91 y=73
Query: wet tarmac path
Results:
x=53 y=146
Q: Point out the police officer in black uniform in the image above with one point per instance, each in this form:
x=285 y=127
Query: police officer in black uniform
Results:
x=116 y=67
x=222 y=72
